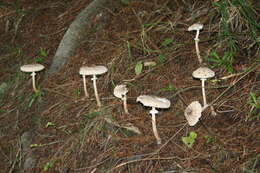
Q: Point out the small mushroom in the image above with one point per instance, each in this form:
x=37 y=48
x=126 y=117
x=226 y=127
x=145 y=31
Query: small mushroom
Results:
x=196 y=27
x=32 y=68
x=120 y=92
x=193 y=113
x=94 y=70
x=154 y=102
x=203 y=73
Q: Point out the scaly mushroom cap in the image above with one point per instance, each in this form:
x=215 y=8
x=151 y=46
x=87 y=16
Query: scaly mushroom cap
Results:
x=203 y=73
x=31 y=67
x=193 y=113
x=195 y=26
x=120 y=90
x=94 y=70
x=153 y=101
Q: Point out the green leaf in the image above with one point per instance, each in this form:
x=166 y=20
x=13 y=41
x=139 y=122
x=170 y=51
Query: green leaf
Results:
x=50 y=124
x=169 y=88
x=162 y=58
x=253 y=97
x=43 y=53
x=138 y=68
x=167 y=42
x=48 y=165
x=125 y=2
x=189 y=140
x=193 y=135
x=39 y=60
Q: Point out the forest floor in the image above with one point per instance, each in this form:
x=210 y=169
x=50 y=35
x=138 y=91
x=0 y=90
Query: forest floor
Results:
x=70 y=133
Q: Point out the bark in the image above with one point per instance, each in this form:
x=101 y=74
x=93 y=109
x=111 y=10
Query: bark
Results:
x=74 y=35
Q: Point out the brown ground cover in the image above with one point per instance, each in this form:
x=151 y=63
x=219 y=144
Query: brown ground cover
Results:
x=71 y=134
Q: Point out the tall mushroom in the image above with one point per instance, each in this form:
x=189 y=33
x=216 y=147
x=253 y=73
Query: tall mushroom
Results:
x=120 y=91
x=196 y=27
x=94 y=70
x=203 y=73
x=32 y=68
x=154 y=102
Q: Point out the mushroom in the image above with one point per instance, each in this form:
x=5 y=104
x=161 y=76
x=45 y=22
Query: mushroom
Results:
x=120 y=92
x=94 y=70
x=193 y=113
x=196 y=27
x=154 y=102
x=32 y=68
x=203 y=73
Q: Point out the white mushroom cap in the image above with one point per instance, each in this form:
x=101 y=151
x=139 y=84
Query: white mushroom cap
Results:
x=120 y=90
x=94 y=70
x=203 y=73
x=193 y=113
x=153 y=101
x=195 y=26
x=31 y=67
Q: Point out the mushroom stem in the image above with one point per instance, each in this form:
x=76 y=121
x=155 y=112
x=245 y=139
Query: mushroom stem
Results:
x=85 y=86
x=213 y=112
x=153 y=112
x=197 y=35
x=203 y=91
x=197 y=49
x=33 y=82
x=95 y=90
x=125 y=104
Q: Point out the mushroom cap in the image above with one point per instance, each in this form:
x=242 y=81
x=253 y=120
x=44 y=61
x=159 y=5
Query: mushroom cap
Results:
x=195 y=26
x=120 y=90
x=193 y=113
x=94 y=70
x=203 y=73
x=31 y=67
x=153 y=101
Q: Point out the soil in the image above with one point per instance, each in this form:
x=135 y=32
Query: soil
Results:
x=69 y=133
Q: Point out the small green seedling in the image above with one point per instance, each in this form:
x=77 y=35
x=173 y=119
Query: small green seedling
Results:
x=42 y=55
x=209 y=139
x=35 y=96
x=48 y=165
x=162 y=58
x=167 y=42
x=225 y=61
x=170 y=88
x=35 y=145
x=125 y=2
x=189 y=140
x=138 y=68
x=49 y=124
x=255 y=107
x=253 y=100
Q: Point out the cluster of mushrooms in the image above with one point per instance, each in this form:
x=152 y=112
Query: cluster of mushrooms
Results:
x=192 y=112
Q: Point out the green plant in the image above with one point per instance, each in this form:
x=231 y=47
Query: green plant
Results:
x=49 y=124
x=189 y=140
x=255 y=106
x=42 y=55
x=169 y=87
x=167 y=42
x=226 y=35
x=209 y=139
x=225 y=61
x=161 y=58
x=34 y=97
x=48 y=165
x=138 y=68
x=253 y=100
